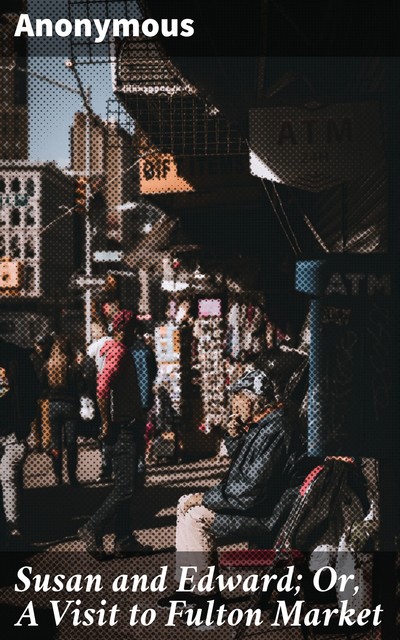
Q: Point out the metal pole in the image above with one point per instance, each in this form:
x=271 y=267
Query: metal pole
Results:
x=88 y=226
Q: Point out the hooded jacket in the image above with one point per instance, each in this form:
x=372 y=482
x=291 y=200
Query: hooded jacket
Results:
x=118 y=382
x=268 y=464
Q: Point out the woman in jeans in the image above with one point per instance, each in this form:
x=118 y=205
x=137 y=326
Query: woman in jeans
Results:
x=60 y=374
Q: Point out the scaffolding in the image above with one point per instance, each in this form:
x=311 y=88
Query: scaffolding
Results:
x=171 y=112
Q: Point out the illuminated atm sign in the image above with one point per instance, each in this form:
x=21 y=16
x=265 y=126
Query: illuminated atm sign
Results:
x=345 y=277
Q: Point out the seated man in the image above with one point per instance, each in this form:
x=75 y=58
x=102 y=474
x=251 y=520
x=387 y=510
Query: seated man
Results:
x=268 y=462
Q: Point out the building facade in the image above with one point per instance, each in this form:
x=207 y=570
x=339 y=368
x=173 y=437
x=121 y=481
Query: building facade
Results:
x=111 y=168
x=13 y=90
x=36 y=240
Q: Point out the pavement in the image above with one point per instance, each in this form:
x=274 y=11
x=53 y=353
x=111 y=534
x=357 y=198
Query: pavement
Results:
x=52 y=516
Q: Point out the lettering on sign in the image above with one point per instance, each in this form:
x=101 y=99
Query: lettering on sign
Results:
x=354 y=284
x=329 y=131
x=158 y=173
x=315 y=147
x=334 y=315
x=157 y=168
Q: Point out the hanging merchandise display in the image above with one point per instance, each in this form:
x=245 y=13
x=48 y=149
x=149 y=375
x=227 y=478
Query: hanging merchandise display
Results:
x=209 y=333
x=184 y=321
x=233 y=332
x=167 y=348
x=252 y=340
x=173 y=351
x=244 y=335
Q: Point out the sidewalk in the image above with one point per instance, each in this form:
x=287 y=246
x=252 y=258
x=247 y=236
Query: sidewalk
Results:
x=54 y=515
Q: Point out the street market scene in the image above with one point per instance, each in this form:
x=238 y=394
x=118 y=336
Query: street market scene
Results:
x=198 y=357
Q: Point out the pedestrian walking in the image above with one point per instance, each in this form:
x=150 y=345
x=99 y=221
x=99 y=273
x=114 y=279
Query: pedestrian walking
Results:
x=41 y=435
x=60 y=377
x=100 y=337
x=121 y=412
x=146 y=371
x=18 y=397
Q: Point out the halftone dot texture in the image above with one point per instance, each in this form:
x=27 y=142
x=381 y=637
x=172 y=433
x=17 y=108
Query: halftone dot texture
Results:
x=157 y=147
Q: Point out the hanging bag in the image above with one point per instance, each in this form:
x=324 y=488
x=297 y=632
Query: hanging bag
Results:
x=87 y=409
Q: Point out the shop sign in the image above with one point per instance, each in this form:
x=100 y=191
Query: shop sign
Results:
x=346 y=281
x=10 y=274
x=315 y=148
x=354 y=284
x=158 y=173
x=352 y=368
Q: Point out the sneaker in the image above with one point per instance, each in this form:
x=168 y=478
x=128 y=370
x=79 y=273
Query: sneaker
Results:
x=93 y=545
x=131 y=547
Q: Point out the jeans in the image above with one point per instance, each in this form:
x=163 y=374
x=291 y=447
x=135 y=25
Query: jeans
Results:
x=12 y=461
x=124 y=447
x=63 y=417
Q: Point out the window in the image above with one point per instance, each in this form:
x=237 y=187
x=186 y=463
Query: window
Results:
x=30 y=217
x=28 y=277
x=16 y=185
x=15 y=217
x=30 y=187
x=15 y=249
x=30 y=249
